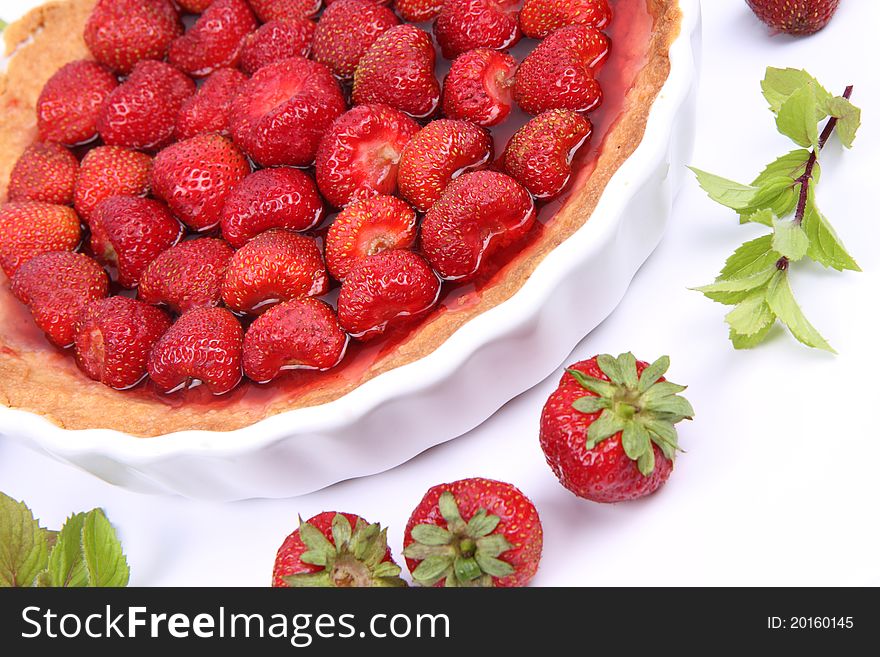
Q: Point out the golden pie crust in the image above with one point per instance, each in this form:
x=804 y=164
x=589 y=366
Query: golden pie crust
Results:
x=36 y=378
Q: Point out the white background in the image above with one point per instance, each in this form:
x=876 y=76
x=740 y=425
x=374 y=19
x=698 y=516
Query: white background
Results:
x=779 y=484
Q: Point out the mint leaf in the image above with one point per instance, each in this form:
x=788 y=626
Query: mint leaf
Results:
x=751 y=315
x=733 y=291
x=779 y=84
x=67 y=566
x=750 y=258
x=777 y=196
x=23 y=546
x=799 y=116
x=724 y=191
x=781 y=300
x=105 y=561
x=849 y=118
x=789 y=239
x=825 y=246
x=749 y=341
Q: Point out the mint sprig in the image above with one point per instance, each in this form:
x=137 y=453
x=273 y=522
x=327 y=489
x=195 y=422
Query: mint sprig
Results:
x=755 y=279
x=86 y=552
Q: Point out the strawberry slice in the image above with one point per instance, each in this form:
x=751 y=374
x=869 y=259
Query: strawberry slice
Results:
x=366 y=228
x=276 y=266
x=108 y=171
x=208 y=110
x=539 y=18
x=114 y=337
x=186 y=276
x=70 y=103
x=479 y=87
x=271 y=198
x=358 y=156
x=44 y=172
x=277 y=40
x=539 y=154
x=215 y=41
x=29 y=228
x=477 y=214
x=463 y=25
x=56 y=286
x=281 y=113
x=202 y=347
x=346 y=31
x=303 y=334
x=128 y=233
x=385 y=290
x=441 y=151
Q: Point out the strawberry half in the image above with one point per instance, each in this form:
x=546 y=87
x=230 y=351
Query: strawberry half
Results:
x=56 y=286
x=281 y=113
x=114 y=338
x=271 y=198
x=202 y=347
x=44 y=172
x=418 y=11
x=276 y=266
x=29 y=228
x=463 y=25
x=384 y=290
x=560 y=72
x=186 y=276
x=277 y=40
x=108 y=171
x=539 y=18
x=195 y=176
x=474 y=532
x=216 y=39
x=280 y=10
x=141 y=112
x=336 y=550
x=208 y=110
x=608 y=431
x=438 y=153
x=70 y=103
x=366 y=228
x=539 y=154
x=120 y=33
x=796 y=17
x=128 y=232
x=477 y=214
x=479 y=87
x=302 y=334
x=398 y=70
x=358 y=156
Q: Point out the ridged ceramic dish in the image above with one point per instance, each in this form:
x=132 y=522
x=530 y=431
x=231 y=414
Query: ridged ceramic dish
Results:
x=492 y=357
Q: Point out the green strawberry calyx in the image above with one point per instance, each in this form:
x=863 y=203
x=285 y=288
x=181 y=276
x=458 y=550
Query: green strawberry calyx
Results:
x=464 y=553
x=353 y=558
x=643 y=409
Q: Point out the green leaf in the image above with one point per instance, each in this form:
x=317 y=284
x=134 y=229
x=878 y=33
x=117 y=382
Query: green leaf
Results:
x=748 y=341
x=3 y=25
x=781 y=300
x=23 y=544
x=609 y=365
x=314 y=539
x=675 y=407
x=432 y=569
x=604 y=426
x=733 y=291
x=776 y=197
x=779 y=84
x=727 y=192
x=789 y=239
x=482 y=524
x=493 y=545
x=764 y=217
x=591 y=383
x=635 y=440
x=431 y=535
x=628 y=370
x=450 y=512
x=799 y=116
x=587 y=404
x=750 y=316
x=106 y=563
x=67 y=566
x=493 y=566
x=340 y=529
x=664 y=434
x=825 y=246
x=646 y=462
x=652 y=373
x=752 y=257
x=849 y=118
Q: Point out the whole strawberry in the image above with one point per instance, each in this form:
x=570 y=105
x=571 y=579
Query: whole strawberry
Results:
x=346 y=31
x=474 y=532
x=114 y=337
x=539 y=18
x=336 y=550
x=44 y=172
x=203 y=347
x=208 y=110
x=216 y=39
x=608 y=431
x=277 y=40
x=280 y=10
x=120 y=33
x=56 y=286
x=186 y=276
x=108 y=171
x=796 y=17
x=195 y=176
x=479 y=87
x=398 y=70
x=463 y=25
x=29 y=228
x=70 y=103
x=418 y=11
x=303 y=334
